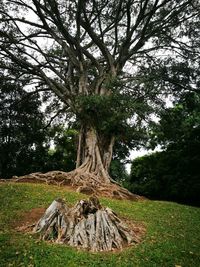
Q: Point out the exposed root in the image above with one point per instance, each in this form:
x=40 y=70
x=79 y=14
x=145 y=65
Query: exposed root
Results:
x=87 y=225
x=81 y=181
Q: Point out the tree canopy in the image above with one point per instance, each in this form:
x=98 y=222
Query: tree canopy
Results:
x=94 y=48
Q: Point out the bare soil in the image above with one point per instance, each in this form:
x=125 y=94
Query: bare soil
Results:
x=28 y=220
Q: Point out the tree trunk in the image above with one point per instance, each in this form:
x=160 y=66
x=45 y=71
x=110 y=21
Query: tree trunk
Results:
x=91 y=174
x=94 y=153
x=86 y=225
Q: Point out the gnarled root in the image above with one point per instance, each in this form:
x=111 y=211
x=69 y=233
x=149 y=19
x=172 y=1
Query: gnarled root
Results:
x=83 y=182
x=86 y=225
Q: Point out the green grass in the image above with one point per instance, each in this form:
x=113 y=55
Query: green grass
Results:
x=172 y=238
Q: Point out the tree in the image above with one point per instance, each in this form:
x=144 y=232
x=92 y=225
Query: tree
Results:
x=173 y=173
x=179 y=126
x=22 y=137
x=100 y=58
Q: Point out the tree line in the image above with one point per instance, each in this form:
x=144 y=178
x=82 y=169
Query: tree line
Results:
x=172 y=174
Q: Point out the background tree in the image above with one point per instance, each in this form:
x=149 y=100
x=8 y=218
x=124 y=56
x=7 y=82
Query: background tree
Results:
x=98 y=57
x=173 y=174
x=63 y=155
x=23 y=141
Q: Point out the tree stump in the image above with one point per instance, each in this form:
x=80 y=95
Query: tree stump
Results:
x=87 y=225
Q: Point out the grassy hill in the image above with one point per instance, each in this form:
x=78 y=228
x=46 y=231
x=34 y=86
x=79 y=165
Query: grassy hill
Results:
x=172 y=237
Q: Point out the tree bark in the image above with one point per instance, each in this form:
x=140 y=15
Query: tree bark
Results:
x=94 y=153
x=91 y=175
x=86 y=225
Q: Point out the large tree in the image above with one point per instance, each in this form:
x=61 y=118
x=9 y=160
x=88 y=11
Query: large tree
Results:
x=101 y=58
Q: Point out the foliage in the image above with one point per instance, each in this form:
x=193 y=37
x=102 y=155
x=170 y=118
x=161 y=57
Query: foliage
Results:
x=22 y=138
x=172 y=236
x=118 y=171
x=63 y=155
x=169 y=175
x=110 y=114
x=179 y=126
x=174 y=172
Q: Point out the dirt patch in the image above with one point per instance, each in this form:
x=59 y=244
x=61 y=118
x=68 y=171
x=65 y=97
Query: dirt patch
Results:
x=29 y=219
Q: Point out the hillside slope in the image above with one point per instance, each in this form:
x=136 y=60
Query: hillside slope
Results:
x=172 y=232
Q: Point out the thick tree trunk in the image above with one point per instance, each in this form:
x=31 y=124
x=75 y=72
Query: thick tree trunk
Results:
x=94 y=153
x=91 y=175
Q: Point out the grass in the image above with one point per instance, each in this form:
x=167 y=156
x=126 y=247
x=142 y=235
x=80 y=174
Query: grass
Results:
x=172 y=238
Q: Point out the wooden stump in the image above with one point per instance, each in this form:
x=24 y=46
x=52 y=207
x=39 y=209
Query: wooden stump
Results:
x=87 y=225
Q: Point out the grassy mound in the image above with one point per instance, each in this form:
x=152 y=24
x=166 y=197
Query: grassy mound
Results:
x=172 y=237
